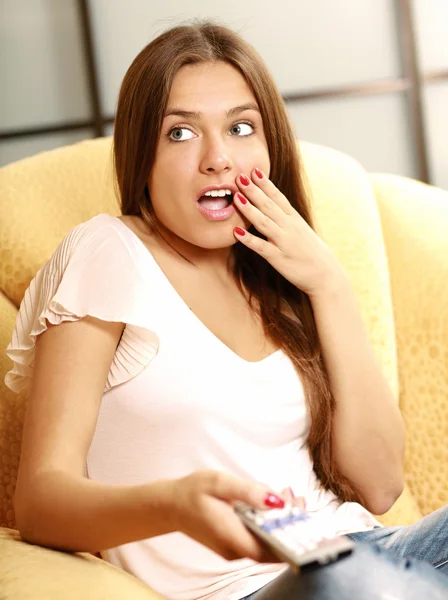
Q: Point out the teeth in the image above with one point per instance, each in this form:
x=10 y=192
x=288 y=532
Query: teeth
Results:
x=218 y=193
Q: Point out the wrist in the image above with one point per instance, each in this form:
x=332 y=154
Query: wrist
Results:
x=332 y=285
x=158 y=503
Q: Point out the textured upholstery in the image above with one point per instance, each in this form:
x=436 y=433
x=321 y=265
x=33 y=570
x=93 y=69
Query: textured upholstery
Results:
x=388 y=232
x=12 y=412
x=34 y=573
x=415 y=228
x=42 y=198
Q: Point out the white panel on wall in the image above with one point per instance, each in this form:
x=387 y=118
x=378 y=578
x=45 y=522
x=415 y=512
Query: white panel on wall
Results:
x=431 y=26
x=109 y=130
x=305 y=44
x=372 y=129
x=16 y=149
x=41 y=64
x=435 y=97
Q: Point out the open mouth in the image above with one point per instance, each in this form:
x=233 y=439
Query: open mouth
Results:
x=216 y=202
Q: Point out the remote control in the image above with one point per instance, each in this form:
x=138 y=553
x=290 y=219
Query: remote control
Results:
x=294 y=536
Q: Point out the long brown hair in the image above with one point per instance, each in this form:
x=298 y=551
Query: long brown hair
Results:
x=285 y=311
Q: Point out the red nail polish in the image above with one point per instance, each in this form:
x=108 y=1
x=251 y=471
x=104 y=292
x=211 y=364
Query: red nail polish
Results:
x=241 y=198
x=239 y=231
x=244 y=180
x=258 y=173
x=274 y=501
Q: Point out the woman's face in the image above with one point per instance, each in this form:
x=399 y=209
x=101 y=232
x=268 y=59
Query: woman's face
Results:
x=212 y=132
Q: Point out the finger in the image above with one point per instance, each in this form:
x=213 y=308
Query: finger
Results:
x=235 y=540
x=300 y=502
x=262 y=222
x=260 y=199
x=249 y=546
x=258 y=245
x=258 y=552
x=264 y=554
x=288 y=495
x=233 y=543
x=232 y=489
x=261 y=180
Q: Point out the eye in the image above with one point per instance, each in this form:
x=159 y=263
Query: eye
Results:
x=242 y=129
x=177 y=134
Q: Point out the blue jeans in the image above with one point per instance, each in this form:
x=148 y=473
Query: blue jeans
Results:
x=388 y=563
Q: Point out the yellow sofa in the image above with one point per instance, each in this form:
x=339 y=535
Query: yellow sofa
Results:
x=389 y=232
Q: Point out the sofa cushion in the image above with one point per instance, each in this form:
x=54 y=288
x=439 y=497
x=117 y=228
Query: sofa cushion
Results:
x=28 y=572
x=415 y=226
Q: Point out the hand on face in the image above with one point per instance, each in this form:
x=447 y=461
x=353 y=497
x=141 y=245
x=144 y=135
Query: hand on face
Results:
x=292 y=246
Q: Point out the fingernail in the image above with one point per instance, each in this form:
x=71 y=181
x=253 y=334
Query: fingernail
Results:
x=244 y=180
x=258 y=173
x=273 y=501
x=239 y=231
x=241 y=198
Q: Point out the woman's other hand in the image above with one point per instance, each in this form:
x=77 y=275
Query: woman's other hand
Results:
x=201 y=507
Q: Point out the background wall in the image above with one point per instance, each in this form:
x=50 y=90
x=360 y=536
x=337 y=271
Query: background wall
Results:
x=348 y=69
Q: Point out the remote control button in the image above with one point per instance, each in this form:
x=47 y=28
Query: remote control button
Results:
x=269 y=526
x=284 y=539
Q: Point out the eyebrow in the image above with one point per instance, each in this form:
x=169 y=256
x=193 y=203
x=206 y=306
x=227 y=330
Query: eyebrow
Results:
x=188 y=114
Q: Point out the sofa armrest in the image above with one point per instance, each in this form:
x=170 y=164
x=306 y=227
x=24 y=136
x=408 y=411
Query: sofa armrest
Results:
x=29 y=572
x=415 y=227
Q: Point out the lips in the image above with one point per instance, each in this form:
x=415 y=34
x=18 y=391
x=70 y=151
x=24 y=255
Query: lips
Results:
x=217 y=214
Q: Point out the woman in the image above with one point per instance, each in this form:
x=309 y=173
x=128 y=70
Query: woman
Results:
x=204 y=348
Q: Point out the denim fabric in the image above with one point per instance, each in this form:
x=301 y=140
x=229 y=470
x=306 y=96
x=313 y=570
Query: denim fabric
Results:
x=426 y=540
x=388 y=563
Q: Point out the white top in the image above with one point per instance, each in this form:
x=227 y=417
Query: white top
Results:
x=177 y=399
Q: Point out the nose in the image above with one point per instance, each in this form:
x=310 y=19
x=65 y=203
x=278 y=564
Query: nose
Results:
x=215 y=157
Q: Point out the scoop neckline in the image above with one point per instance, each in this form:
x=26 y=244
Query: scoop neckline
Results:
x=181 y=301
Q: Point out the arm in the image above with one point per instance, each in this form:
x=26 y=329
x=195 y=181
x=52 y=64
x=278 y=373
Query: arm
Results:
x=79 y=515
x=368 y=430
x=56 y=506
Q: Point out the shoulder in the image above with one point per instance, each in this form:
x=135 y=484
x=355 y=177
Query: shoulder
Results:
x=102 y=228
x=94 y=273
x=103 y=243
x=97 y=263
